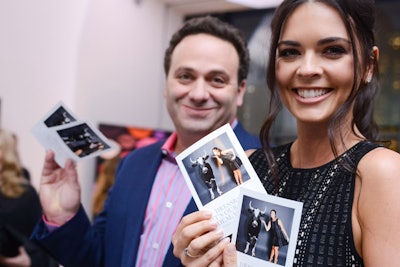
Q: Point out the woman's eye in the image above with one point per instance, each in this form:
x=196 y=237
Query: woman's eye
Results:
x=288 y=52
x=335 y=51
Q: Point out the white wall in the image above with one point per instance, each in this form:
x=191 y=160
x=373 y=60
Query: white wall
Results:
x=102 y=58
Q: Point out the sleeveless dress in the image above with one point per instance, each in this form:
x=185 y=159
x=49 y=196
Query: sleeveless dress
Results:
x=278 y=238
x=325 y=236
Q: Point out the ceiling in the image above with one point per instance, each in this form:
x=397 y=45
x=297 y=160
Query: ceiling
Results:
x=189 y=7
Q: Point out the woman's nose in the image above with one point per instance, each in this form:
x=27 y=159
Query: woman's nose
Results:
x=310 y=66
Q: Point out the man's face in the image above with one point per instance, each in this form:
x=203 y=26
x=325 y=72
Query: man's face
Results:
x=202 y=91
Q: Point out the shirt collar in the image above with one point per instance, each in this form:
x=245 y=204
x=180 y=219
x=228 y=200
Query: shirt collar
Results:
x=168 y=148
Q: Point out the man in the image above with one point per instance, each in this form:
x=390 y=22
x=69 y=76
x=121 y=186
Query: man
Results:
x=206 y=66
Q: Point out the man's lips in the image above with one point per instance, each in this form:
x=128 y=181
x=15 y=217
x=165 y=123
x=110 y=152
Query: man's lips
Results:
x=197 y=111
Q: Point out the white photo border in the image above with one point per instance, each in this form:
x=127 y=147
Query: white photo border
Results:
x=57 y=123
x=223 y=205
x=289 y=210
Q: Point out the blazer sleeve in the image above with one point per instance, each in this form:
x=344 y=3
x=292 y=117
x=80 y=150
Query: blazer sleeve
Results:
x=73 y=244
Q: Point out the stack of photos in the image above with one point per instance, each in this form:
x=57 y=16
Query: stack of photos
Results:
x=69 y=137
x=222 y=180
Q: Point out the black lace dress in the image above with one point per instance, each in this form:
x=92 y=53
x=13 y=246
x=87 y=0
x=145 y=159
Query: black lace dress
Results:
x=325 y=236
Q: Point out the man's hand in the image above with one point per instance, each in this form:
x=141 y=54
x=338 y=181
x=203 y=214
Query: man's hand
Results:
x=59 y=190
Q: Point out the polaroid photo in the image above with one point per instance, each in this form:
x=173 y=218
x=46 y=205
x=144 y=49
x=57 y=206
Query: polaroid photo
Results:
x=214 y=168
x=267 y=229
x=61 y=131
x=58 y=115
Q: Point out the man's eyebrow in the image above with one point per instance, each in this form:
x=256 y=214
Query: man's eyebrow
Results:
x=216 y=72
x=184 y=69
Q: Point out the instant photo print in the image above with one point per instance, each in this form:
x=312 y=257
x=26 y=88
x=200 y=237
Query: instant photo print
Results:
x=265 y=221
x=61 y=131
x=215 y=168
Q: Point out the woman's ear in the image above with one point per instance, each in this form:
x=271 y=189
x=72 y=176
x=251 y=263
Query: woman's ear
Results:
x=375 y=58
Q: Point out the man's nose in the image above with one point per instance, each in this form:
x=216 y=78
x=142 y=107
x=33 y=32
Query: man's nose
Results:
x=199 y=90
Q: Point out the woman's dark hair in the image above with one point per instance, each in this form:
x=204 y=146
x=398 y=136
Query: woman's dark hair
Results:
x=215 y=27
x=358 y=17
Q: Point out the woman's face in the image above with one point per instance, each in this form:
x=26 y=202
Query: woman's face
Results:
x=314 y=63
x=272 y=214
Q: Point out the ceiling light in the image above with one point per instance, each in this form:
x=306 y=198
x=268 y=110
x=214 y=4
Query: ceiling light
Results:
x=258 y=4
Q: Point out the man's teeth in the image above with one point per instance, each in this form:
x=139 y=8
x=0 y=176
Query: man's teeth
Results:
x=311 y=93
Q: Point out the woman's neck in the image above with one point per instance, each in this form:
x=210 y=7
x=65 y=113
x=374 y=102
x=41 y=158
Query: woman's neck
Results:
x=312 y=148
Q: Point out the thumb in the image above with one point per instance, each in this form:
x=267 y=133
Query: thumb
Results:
x=230 y=257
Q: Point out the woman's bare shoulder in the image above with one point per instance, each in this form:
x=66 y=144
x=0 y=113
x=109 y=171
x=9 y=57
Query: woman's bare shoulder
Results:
x=380 y=161
x=249 y=152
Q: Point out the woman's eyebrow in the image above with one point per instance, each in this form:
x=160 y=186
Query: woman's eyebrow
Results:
x=288 y=42
x=333 y=40
x=320 y=42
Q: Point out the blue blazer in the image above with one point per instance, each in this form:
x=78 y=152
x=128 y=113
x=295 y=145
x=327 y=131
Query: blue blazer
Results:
x=113 y=238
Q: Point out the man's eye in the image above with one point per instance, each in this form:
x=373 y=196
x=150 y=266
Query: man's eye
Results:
x=184 y=77
x=218 y=81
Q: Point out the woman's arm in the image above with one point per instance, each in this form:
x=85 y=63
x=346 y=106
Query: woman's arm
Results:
x=376 y=209
x=283 y=229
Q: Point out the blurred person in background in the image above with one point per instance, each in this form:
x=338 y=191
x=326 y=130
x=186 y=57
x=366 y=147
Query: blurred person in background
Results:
x=19 y=211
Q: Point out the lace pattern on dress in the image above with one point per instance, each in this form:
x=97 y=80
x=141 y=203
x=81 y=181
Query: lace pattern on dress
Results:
x=325 y=236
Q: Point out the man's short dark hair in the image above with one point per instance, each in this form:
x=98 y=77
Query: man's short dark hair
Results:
x=215 y=27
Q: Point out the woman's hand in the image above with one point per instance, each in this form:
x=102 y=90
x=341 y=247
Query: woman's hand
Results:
x=198 y=242
x=21 y=260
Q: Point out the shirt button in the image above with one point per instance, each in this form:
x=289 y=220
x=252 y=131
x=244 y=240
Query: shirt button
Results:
x=168 y=205
x=155 y=245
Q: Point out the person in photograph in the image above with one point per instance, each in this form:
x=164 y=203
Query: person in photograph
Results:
x=278 y=236
x=323 y=67
x=233 y=163
x=59 y=117
x=206 y=66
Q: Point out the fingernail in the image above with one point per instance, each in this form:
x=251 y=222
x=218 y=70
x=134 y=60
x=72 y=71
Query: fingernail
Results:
x=231 y=248
x=219 y=232
x=213 y=222
x=207 y=213
x=226 y=240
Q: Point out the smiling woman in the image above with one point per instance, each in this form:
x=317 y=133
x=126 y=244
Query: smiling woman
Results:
x=326 y=75
x=255 y=25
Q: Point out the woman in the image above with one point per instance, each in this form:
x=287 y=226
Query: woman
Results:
x=19 y=211
x=278 y=235
x=323 y=68
x=232 y=162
